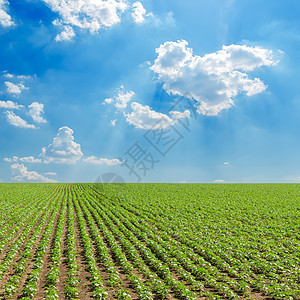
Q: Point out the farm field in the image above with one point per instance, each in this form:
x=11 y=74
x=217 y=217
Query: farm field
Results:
x=149 y=241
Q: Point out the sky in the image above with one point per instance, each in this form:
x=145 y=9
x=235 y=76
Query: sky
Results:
x=149 y=91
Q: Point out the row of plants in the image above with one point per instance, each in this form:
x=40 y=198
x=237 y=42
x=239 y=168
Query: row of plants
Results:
x=52 y=277
x=96 y=281
x=30 y=287
x=71 y=282
x=267 y=282
x=18 y=220
x=221 y=231
x=147 y=256
x=12 y=286
x=24 y=229
x=120 y=258
x=176 y=259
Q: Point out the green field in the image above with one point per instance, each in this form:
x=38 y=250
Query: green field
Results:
x=149 y=241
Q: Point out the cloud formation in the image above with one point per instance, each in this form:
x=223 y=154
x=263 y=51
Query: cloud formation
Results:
x=215 y=79
x=15 y=88
x=21 y=174
x=177 y=115
x=121 y=99
x=29 y=159
x=143 y=117
x=10 y=105
x=66 y=35
x=17 y=121
x=86 y=14
x=5 y=18
x=139 y=13
x=35 y=111
x=63 y=150
x=101 y=161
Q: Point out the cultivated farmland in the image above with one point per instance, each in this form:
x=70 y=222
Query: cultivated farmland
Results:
x=149 y=241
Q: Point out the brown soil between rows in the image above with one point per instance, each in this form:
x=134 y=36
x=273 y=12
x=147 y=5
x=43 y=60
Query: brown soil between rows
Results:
x=125 y=282
x=11 y=270
x=63 y=260
x=135 y=271
x=16 y=236
x=255 y=295
x=40 y=292
x=84 y=286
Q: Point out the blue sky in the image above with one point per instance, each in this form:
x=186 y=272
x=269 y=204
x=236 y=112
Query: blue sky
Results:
x=88 y=89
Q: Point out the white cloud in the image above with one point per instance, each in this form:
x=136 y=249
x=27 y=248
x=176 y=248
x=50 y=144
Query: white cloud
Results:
x=101 y=161
x=30 y=159
x=13 y=88
x=35 y=111
x=122 y=98
x=180 y=115
x=86 y=14
x=17 y=121
x=113 y=122
x=143 y=117
x=50 y=174
x=226 y=163
x=219 y=181
x=21 y=77
x=5 y=18
x=8 y=75
x=215 y=79
x=214 y=110
x=66 y=35
x=139 y=13
x=10 y=105
x=13 y=159
x=109 y=100
x=63 y=150
x=21 y=174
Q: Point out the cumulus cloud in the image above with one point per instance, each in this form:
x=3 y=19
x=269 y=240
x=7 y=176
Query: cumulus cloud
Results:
x=10 y=105
x=5 y=18
x=219 y=181
x=139 y=13
x=177 y=115
x=86 y=14
x=101 y=161
x=66 y=35
x=17 y=121
x=215 y=79
x=143 y=117
x=15 y=88
x=226 y=163
x=63 y=150
x=121 y=99
x=35 y=111
x=21 y=174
